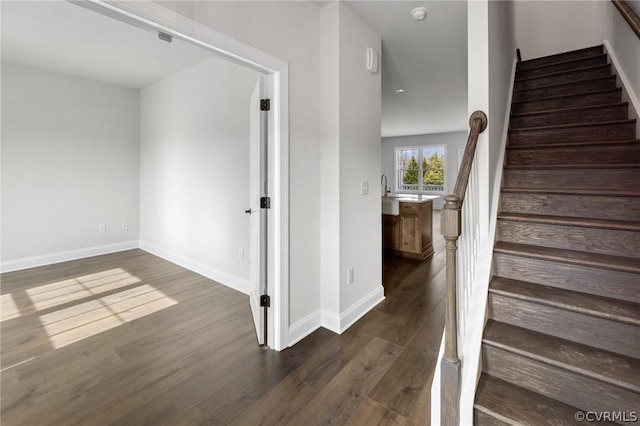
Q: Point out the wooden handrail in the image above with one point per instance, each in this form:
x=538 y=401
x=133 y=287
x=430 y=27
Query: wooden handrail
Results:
x=451 y=226
x=477 y=124
x=629 y=15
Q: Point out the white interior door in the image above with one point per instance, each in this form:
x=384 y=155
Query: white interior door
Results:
x=258 y=216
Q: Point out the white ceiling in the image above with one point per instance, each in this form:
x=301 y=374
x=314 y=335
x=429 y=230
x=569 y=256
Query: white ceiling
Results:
x=68 y=39
x=428 y=59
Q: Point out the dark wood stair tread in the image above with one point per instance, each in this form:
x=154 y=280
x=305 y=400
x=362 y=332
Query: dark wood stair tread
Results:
x=573 y=257
x=514 y=405
x=564 y=126
x=573 y=95
x=564 y=99
x=562 y=191
x=615 y=369
x=572 y=221
x=566 y=61
x=583 y=53
x=570 y=109
x=571 y=88
x=572 y=144
x=561 y=73
x=589 y=304
x=571 y=83
x=576 y=167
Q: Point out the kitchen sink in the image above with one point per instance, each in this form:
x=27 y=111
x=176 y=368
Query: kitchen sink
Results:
x=390 y=206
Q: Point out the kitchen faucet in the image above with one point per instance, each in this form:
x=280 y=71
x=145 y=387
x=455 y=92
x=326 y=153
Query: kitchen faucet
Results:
x=383 y=178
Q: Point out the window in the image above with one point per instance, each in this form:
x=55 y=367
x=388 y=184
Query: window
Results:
x=420 y=169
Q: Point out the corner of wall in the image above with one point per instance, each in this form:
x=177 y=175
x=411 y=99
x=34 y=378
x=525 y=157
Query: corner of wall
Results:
x=338 y=322
x=348 y=219
x=222 y=277
x=359 y=309
x=305 y=327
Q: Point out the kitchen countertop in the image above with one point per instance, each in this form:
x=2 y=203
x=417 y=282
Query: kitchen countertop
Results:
x=409 y=198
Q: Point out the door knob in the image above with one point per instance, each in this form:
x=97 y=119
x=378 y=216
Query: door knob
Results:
x=248 y=211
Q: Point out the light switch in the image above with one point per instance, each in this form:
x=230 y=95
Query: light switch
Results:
x=364 y=187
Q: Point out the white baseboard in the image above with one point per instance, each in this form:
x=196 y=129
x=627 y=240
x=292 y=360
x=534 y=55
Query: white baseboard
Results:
x=230 y=280
x=65 y=256
x=360 y=308
x=305 y=327
x=330 y=321
x=340 y=323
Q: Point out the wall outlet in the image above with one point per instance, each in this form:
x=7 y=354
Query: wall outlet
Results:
x=125 y=226
x=364 y=187
x=349 y=275
x=102 y=228
x=240 y=254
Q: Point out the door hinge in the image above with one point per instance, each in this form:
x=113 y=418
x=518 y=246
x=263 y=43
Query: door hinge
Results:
x=265 y=300
x=265 y=202
x=265 y=104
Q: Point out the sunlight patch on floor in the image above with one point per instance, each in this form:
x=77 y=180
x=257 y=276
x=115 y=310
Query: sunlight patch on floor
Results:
x=87 y=319
x=58 y=293
x=8 y=307
x=16 y=304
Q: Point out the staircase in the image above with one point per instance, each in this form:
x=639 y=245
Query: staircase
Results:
x=563 y=334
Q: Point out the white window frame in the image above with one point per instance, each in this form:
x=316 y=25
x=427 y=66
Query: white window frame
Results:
x=419 y=148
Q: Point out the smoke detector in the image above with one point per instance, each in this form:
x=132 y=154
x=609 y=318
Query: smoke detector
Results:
x=419 y=13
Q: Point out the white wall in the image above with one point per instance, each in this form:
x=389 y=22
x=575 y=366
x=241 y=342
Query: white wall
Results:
x=547 y=27
x=289 y=31
x=69 y=163
x=351 y=222
x=194 y=168
x=360 y=152
x=454 y=142
x=330 y=165
x=624 y=49
x=502 y=57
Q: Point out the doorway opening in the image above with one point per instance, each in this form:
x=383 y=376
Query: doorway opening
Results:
x=272 y=280
x=172 y=28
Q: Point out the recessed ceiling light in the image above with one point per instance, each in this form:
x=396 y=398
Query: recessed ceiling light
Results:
x=399 y=90
x=403 y=126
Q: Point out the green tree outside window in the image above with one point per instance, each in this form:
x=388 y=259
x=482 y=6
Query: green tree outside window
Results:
x=410 y=176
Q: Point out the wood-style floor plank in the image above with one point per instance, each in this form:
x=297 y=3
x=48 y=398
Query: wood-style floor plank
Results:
x=374 y=414
x=293 y=393
x=340 y=398
x=130 y=339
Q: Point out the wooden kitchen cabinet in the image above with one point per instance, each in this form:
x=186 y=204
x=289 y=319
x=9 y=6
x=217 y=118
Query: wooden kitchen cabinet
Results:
x=390 y=236
x=410 y=233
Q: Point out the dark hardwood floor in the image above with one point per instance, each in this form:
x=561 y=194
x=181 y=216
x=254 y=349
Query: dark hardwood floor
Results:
x=130 y=339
